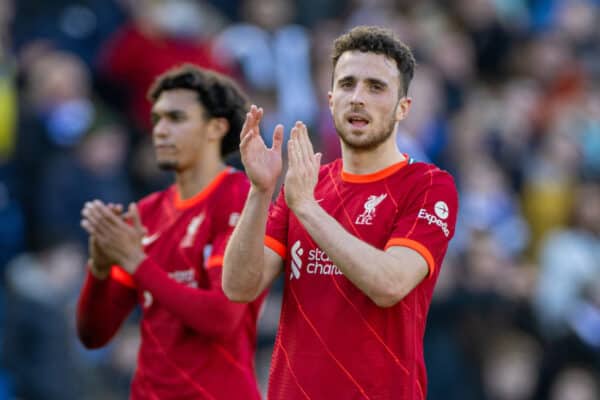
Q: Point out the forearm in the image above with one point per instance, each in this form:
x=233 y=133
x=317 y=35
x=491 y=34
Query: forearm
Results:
x=244 y=261
x=375 y=272
x=207 y=311
x=102 y=307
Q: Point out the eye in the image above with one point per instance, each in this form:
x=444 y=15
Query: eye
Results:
x=377 y=87
x=346 y=84
x=176 y=117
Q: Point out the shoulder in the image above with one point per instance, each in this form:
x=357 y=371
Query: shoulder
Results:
x=236 y=177
x=232 y=191
x=422 y=183
x=235 y=183
x=154 y=199
x=423 y=174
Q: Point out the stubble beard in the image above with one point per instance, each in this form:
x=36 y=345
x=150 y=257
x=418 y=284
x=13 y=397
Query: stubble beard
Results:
x=370 y=143
x=168 y=165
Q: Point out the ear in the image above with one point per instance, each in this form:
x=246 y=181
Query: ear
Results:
x=330 y=101
x=217 y=128
x=402 y=108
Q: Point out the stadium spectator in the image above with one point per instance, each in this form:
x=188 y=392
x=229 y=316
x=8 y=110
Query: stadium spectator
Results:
x=565 y=297
x=40 y=344
x=275 y=59
x=162 y=33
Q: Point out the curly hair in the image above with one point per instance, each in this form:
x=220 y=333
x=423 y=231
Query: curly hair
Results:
x=373 y=39
x=219 y=95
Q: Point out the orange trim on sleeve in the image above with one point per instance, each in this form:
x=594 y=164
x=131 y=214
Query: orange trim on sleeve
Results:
x=120 y=275
x=416 y=246
x=182 y=204
x=276 y=246
x=214 y=261
x=375 y=176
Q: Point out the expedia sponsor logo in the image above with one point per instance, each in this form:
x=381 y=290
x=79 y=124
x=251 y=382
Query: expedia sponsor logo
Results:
x=441 y=209
x=432 y=219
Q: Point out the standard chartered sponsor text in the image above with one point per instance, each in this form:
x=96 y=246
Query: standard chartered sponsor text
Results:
x=320 y=264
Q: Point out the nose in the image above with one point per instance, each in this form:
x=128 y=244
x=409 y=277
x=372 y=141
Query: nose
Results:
x=357 y=98
x=160 y=128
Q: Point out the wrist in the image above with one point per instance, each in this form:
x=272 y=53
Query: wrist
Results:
x=131 y=263
x=304 y=208
x=98 y=273
x=262 y=193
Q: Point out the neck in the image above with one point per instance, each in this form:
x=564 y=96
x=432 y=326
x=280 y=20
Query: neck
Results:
x=369 y=161
x=192 y=180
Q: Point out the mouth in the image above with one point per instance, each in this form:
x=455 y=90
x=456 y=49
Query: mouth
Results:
x=164 y=147
x=357 y=121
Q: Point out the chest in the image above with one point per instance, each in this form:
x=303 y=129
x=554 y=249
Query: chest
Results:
x=368 y=213
x=179 y=241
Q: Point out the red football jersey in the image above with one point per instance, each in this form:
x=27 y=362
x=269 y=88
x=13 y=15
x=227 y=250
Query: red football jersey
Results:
x=333 y=341
x=195 y=343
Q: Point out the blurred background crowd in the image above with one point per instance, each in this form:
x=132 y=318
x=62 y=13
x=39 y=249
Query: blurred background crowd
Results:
x=506 y=97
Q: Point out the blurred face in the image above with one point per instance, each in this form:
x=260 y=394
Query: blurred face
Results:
x=179 y=129
x=364 y=100
x=588 y=207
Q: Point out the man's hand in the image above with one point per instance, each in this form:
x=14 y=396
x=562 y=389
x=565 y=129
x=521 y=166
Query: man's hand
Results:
x=303 y=169
x=116 y=239
x=99 y=263
x=263 y=165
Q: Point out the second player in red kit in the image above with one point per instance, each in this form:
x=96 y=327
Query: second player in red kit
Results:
x=195 y=343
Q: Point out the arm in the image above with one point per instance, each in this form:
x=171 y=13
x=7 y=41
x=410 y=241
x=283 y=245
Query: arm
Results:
x=384 y=276
x=104 y=302
x=102 y=307
x=207 y=311
x=122 y=243
x=248 y=266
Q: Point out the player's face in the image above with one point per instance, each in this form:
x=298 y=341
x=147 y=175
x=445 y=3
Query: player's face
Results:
x=179 y=129
x=364 y=99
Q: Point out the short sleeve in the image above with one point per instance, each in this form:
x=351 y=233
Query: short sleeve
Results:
x=427 y=224
x=277 y=226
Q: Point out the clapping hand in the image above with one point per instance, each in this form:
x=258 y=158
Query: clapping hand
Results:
x=263 y=165
x=303 y=168
x=117 y=240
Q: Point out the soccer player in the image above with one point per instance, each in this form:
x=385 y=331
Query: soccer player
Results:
x=195 y=343
x=360 y=240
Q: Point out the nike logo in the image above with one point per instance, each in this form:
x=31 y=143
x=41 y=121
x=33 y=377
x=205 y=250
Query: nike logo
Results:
x=148 y=240
x=320 y=200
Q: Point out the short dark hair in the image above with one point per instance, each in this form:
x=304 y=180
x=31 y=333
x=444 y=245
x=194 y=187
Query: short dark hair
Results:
x=220 y=96
x=373 y=39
